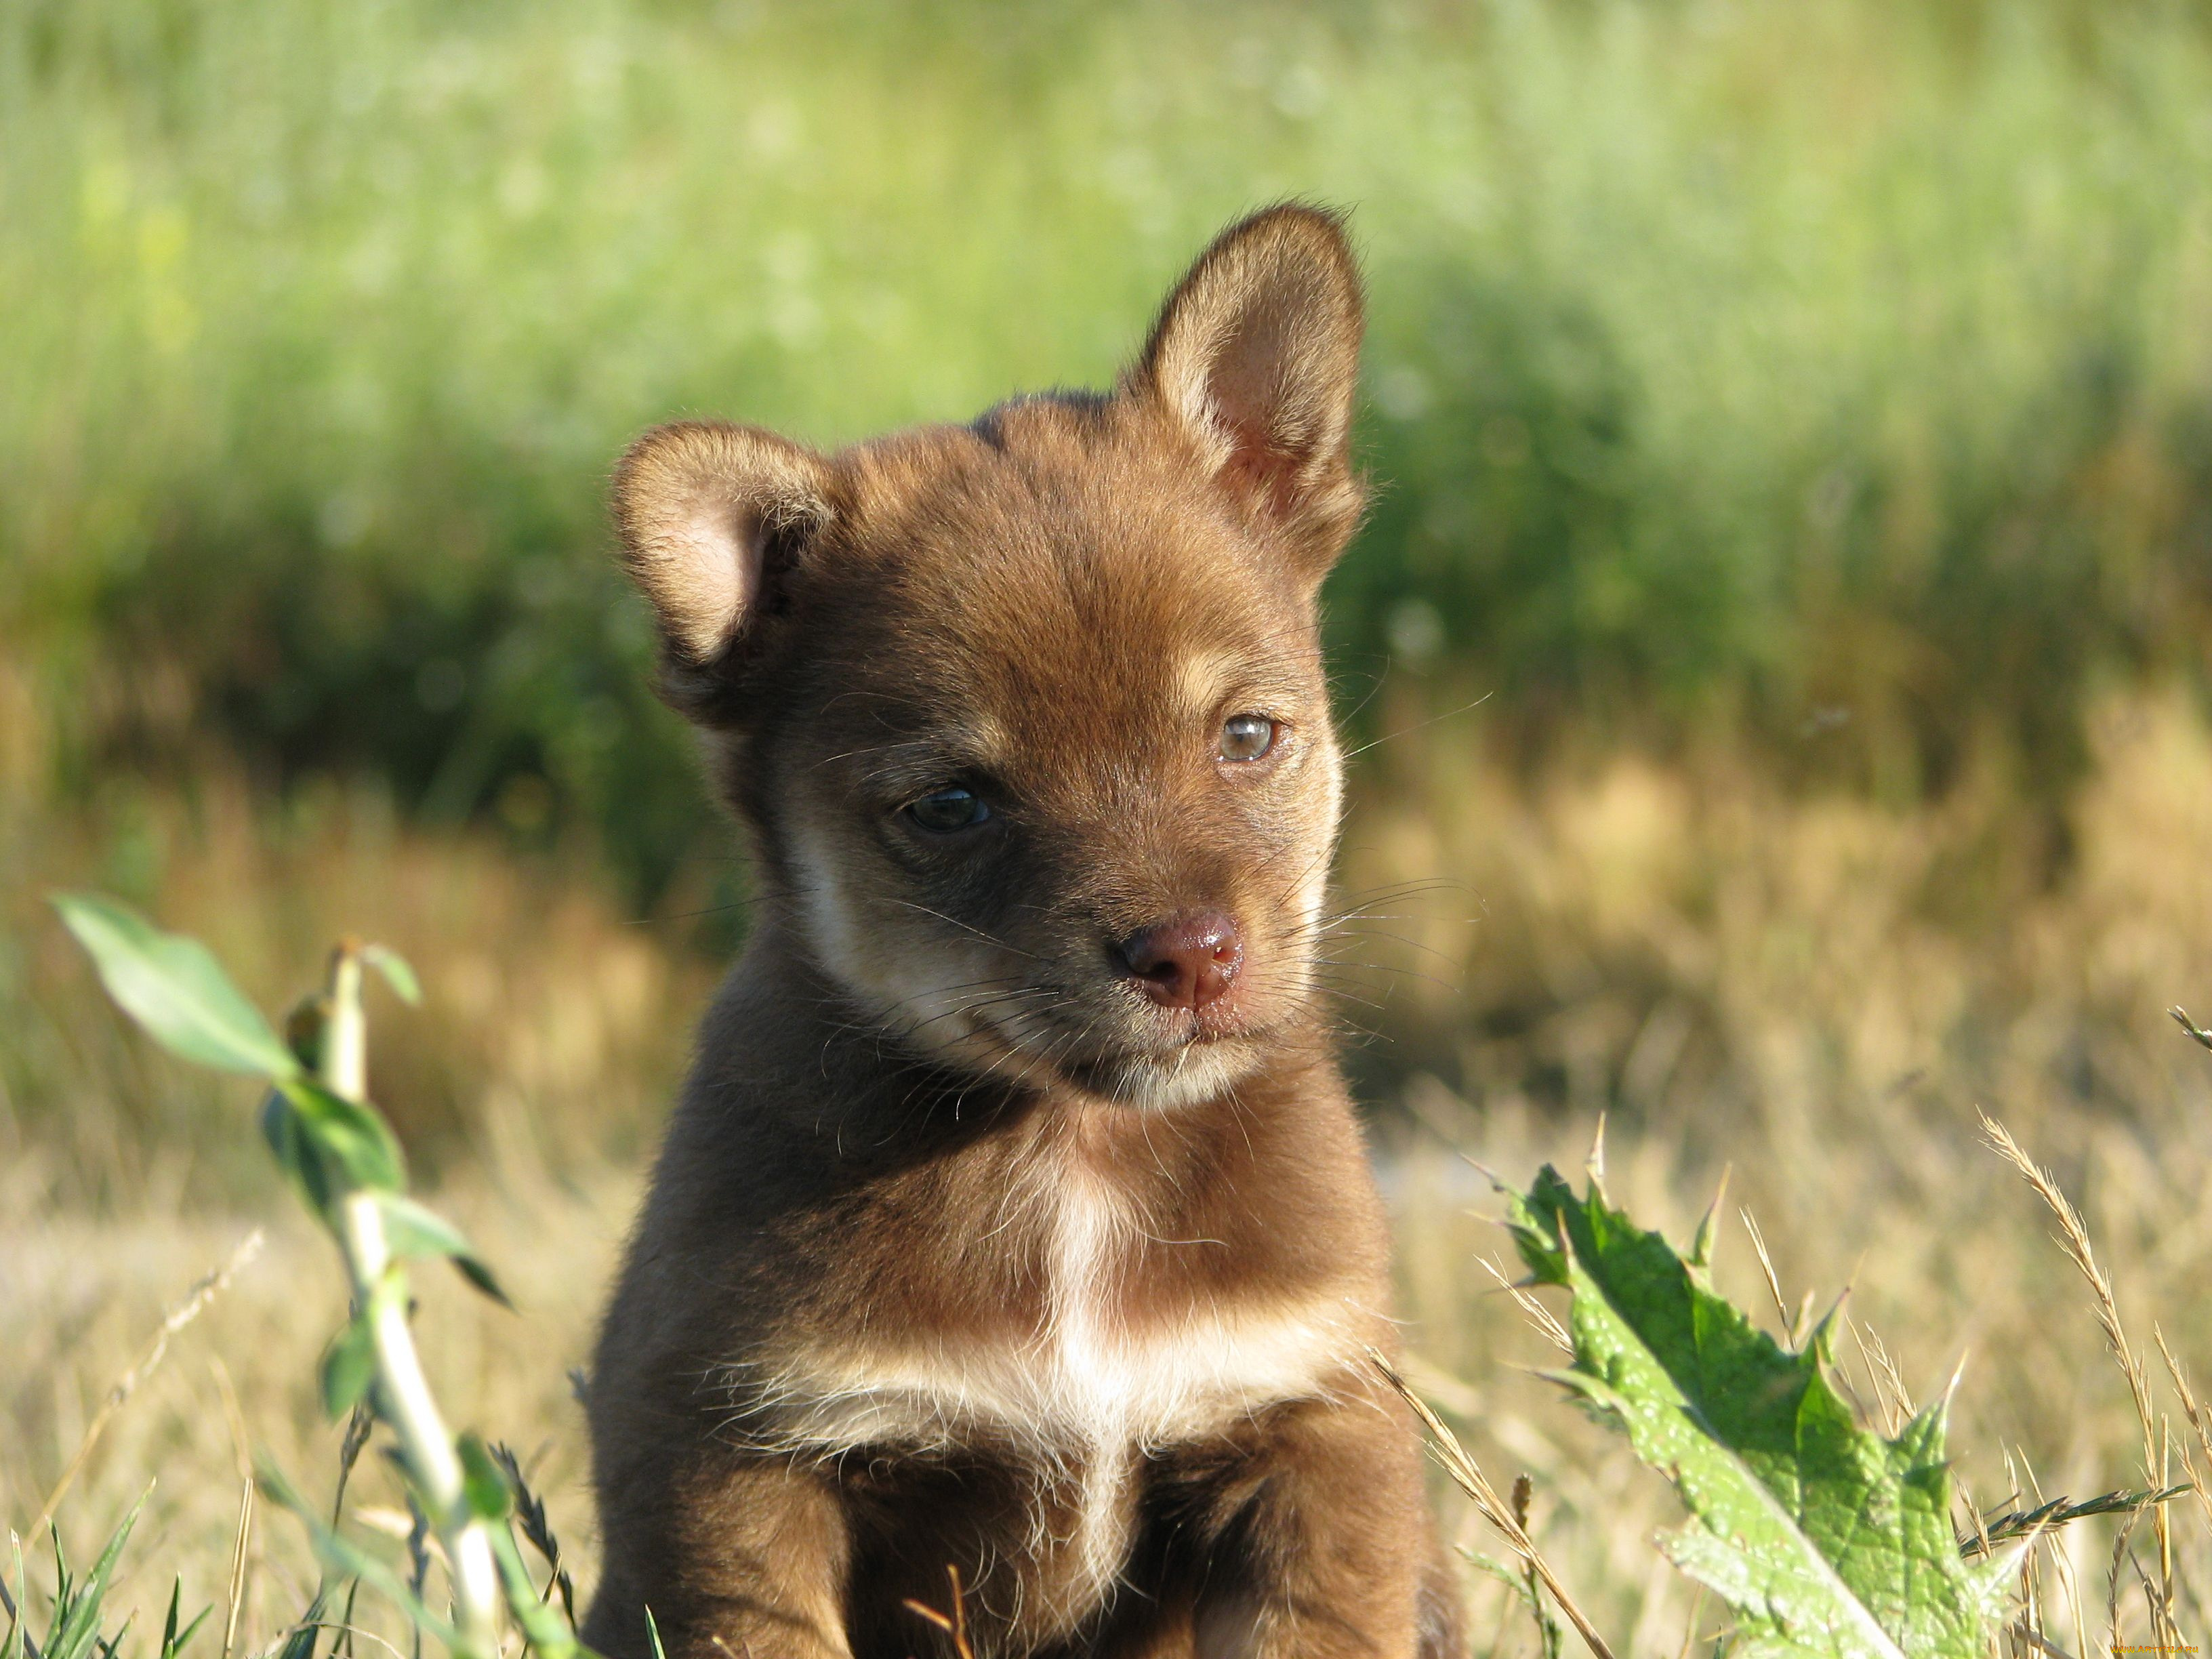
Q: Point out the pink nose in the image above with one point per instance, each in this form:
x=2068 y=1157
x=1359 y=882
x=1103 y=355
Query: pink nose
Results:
x=1187 y=963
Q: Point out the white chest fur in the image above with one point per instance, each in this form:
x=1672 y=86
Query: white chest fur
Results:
x=1084 y=1396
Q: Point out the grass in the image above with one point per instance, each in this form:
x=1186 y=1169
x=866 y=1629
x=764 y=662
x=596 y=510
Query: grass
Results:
x=1736 y=975
x=1691 y=946
x=1962 y=1260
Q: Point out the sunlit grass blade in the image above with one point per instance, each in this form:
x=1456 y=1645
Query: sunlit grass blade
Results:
x=76 y=1633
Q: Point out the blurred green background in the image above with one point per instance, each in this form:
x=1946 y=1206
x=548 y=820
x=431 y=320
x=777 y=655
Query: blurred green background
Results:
x=1834 y=376
x=1806 y=402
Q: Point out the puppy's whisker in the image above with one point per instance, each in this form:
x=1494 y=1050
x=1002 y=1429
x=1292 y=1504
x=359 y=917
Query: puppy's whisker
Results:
x=966 y=927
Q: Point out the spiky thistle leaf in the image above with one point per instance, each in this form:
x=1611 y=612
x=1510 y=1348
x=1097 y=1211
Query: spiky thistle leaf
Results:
x=1828 y=1540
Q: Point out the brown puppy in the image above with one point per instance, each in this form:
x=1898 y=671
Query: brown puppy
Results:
x=1014 y=1216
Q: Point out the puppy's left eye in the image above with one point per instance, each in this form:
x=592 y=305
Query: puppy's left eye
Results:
x=1247 y=737
x=943 y=811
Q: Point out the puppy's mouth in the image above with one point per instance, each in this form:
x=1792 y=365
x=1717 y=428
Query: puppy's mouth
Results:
x=1138 y=1055
x=1177 y=1029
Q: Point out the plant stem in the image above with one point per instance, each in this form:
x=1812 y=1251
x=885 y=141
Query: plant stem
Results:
x=402 y=1391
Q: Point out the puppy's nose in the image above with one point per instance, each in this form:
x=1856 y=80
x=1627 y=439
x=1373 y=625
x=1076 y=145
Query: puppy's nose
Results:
x=1187 y=963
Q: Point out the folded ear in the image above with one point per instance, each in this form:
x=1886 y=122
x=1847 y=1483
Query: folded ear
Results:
x=1257 y=356
x=712 y=516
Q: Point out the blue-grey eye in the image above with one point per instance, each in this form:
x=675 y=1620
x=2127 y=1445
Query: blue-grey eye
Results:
x=944 y=811
x=1247 y=737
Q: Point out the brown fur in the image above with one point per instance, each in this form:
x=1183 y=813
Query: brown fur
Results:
x=978 y=1238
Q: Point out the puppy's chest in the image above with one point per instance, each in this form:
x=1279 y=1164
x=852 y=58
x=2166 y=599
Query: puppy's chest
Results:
x=1092 y=1356
x=1100 y=1362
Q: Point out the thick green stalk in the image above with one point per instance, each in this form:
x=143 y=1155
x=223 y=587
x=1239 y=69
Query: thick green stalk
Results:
x=402 y=1391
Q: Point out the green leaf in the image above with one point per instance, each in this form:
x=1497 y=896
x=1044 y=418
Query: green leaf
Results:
x=295 y=1156
x=169 y=1623
x=350 y=1144
x=75 y=1633
x=1828 y=1540
x=484 y=1484
x=541 y=1625
x=397 y=974
x=172 y=1639
x=479 y=1275
x=412 y=1230
x=340 y=1555
x=306 y=1029
x=173 y=986
x=11 y=1644
x=328 y=1146
x=349 y=1366
x=306 y=1634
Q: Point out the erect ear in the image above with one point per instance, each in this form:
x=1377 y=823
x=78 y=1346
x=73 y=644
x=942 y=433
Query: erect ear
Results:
x=711 y=517
x=1255 y=357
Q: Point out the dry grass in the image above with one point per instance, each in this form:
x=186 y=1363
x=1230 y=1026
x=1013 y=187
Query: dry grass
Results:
x=1799 y=989
x=1686 y=944
x=82 y=1292
x=1958 y=1263
x=552 y=1025
x=1977 y=1273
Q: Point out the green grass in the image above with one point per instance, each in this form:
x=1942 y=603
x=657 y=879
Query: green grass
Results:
x=1839 y=368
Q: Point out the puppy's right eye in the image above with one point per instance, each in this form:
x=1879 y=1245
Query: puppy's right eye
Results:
x=946 y=811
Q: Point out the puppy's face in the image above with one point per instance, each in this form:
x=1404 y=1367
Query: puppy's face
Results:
x=1030 y=717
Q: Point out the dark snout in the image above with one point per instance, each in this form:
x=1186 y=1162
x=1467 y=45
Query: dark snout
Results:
x=1190 y=962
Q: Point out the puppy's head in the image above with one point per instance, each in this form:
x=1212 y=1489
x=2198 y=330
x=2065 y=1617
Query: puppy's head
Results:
x=1029 y=717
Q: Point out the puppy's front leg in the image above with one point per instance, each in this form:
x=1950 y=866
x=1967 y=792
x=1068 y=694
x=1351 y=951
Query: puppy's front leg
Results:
x=1328 y=1549
x=748 y=1560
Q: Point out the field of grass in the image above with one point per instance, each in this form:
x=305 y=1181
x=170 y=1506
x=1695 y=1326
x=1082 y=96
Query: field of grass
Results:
x=1737 y=978
x=1794 y=421
x=1948 y=1255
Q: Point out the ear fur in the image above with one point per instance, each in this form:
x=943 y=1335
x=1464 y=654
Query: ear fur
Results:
x=708 y=514
x=1256 y=358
